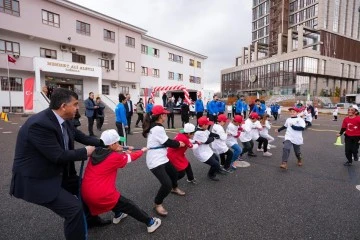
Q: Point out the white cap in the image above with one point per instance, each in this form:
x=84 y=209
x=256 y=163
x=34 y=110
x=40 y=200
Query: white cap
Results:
x=109 y=137
x=188 y=128
x=354 y=106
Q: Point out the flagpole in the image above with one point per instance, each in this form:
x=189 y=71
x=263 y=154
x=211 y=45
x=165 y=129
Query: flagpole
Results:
x=9 y=83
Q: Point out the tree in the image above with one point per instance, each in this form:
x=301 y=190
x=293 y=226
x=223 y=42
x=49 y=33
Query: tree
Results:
x=337 y=92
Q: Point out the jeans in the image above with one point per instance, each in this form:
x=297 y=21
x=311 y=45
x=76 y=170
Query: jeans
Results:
x=127 y=206
x=248 y=147
x=237 y=150
x=188 y=171
x=167 y=176
x=286 y=150
x=214 y=165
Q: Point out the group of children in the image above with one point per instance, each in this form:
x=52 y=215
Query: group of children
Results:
x=219 y=148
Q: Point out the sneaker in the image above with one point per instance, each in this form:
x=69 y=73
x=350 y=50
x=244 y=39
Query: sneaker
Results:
x=117 y=219
x=155 y=225
x=222 y=171
x=233 y=167
x=259 y=149
x=192 y=181
x=283 y=165
x=267 y=154
x=348 y=163
x=272 y=146
x=240 y=158
x=213 y=178
x=252 y=155
x=228 y=170
x=178 y=191
x=299 y=162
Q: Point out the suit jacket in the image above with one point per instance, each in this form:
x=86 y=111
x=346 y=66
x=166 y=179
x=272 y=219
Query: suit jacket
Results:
x=129 y=111
x=40 y=157
x=89 y=107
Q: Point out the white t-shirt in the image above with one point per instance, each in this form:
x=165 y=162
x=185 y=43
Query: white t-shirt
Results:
x=266 y=128
x=255 y=129
x=192 y=108
x=156 y=157
x=204 y=151
x=308 y=117
x=232 y=131
x=219 y=145
x=335 y=112
x=293 y=135
x=229 y=108
x=245 y=135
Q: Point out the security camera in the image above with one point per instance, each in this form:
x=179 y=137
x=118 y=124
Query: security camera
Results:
x=69 y=38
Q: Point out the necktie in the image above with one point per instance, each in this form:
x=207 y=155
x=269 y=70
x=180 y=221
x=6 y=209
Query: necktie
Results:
x=65 y=136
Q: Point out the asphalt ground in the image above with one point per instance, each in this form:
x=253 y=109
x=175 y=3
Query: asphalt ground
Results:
x=316 y=201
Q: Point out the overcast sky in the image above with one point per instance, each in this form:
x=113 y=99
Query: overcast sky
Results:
x=215 y=28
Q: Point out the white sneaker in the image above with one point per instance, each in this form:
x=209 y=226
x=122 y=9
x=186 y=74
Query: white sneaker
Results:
x=267 y=154
x=156 y=224
x=272 y=146
x=259 y=149
x=116 y=220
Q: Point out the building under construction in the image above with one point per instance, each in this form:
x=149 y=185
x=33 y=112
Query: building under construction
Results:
x=299 y=47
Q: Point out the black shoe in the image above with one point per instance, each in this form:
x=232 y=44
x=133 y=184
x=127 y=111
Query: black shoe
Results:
x=213 y=178
x=97 y=222
x=252 y=155
x=348 y=163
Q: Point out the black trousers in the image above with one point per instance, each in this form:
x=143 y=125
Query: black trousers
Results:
x=188 y=171
x=199 y=115
x=275 y=114
x=128 y=118
x=184 y=119
x=248 y=147
x=244 y=114
x=140 y=118
x=69 y=207
x=90 y=125
x=127 y=206
x=214 y=165
x=170 y=118
x=261 y=141
x=351 y=147
x=99 y=122
x=167 y=176
x=225 y=158
x=121 y=130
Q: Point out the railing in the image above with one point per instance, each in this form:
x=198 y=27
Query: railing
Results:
x=109 y=101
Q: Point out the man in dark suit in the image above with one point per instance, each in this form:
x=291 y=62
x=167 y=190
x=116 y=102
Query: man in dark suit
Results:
x=45 y=154
x=129 y=111
x=90 y=107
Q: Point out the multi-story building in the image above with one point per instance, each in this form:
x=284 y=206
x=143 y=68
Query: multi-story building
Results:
x=61 y=44
x=299 y=47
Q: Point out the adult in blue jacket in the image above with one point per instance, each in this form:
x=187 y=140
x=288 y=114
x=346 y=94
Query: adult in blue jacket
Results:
x=239 y=107
x=213 y=108
x=257 y=107
x=199 y=108
x=149 y=106
x=262 y=108
x=221 y=107
x=90 y=107
x=120 y=116
x=245 y=108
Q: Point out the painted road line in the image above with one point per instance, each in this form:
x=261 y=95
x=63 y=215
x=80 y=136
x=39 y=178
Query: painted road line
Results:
x=6 y=132
x=323 y=130
x=14 y=123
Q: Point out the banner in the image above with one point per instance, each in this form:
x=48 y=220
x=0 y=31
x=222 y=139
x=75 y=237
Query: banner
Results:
x=29 y=94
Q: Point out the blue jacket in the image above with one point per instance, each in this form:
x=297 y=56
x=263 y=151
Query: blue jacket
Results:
x=239 y=106
x=245 y=106
x=199 y=106
x=89 y=107
x=256 y=109
x=221 y=106
x=263 y=109
x=120 y=114
x=213 y=107
x=149 y=107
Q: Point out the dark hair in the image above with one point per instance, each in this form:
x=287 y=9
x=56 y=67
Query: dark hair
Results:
x=149 y=100
x=121 y=97
x=90 y=93
x=257 y=100
x=140 y=100
x=61 y=96
x=98 y=98
x=149 y=122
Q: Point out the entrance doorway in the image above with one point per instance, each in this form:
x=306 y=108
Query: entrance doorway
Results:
x=72 y=84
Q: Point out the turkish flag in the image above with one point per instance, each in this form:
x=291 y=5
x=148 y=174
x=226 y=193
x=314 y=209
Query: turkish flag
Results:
x=11 y=59
x=29 y=93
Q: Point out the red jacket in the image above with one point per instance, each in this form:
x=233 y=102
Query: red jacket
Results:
x=177 y=155
x=352 y=126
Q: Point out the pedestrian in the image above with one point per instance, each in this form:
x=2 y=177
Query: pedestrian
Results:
x=255 y=134
x=316 y=110
x=233 y=109
x=246 y=139
x=177 y=155
x=45 y=91
x=164 y=97
x=351 y=127
x=99 y=113
x=335 y=113
x=219 y=145
x=156 y=159
x=294 y=126
x=90 y=108
x=245 y=108
x=185 y=113
x=266 y=126
x=199 y=108
x=121 y=117
x=221 y=107
x=239 y=107
x=44 y=150
x=129 y=112
x=204 y=153
x=98 y=188
x=213 y=109
x=308 y=117
x=229 y=110
x=149 y=106
x=275 y=110
x=233 y=131
x=140 y=112
x=279 y=112
x=170 y=105
x=192 y=110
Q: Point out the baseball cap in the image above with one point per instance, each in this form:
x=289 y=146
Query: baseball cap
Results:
x=188 y=128
x=354 y=107
x=254 y=115
x=204 y=121
x=109 y=137
x=158 y=109
x=238 y=119
x=295 y=109
x=222 y=118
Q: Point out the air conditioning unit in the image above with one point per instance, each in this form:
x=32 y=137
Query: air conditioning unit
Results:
x=108 y=70
x=73 y=50
x=64 y=48
x=16 y=55
x=105 y=55
x=113 y=84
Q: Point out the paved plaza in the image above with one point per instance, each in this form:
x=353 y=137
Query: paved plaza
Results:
x=316 y=201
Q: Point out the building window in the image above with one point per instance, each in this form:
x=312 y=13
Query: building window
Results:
x=156 y=72
x=144 y=71
x=130 y=66
x=124 y=89
x=175 y=58
x=104 y=63
x=144 y=49
x=83 y=28
x=130 y=42
x=171 y=75
x=9 y=47
x=191 y=62
x=198 y=64
x=112 y=64
x=194 y=79
x=10 y=7
x=48 y=53
x=109 y=35
x=156 y=52
x=105 y=89
x=16 y=84
x=50 y=18
x=180 y=77
x=78 y=58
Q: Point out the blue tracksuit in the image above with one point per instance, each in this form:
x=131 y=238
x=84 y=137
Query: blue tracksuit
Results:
x=239 y=106
x=199 y=106
x=120 y=114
